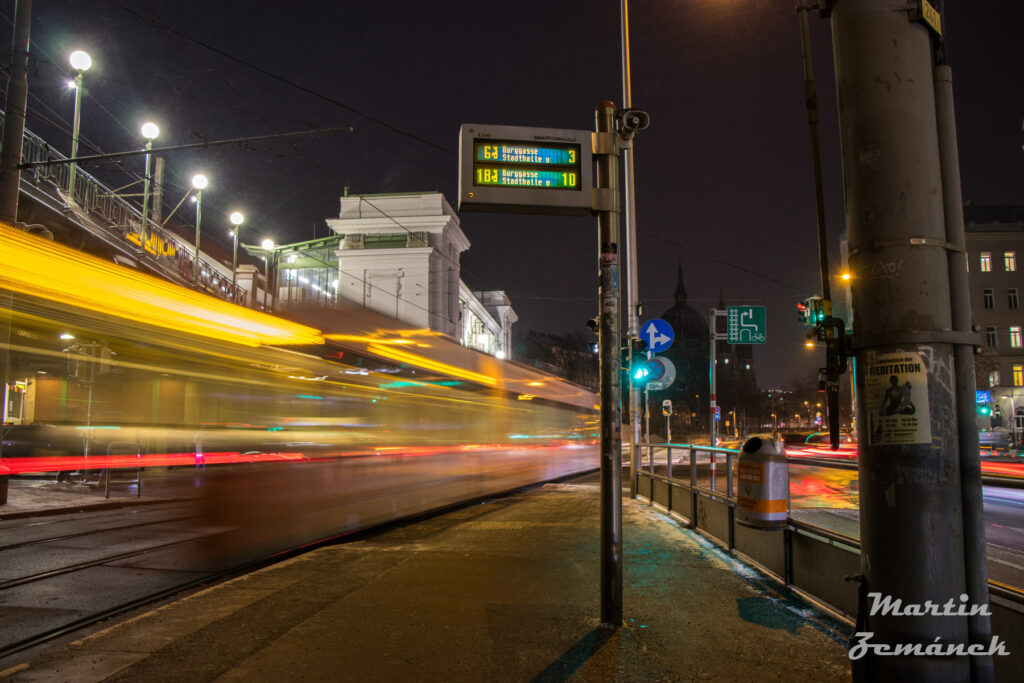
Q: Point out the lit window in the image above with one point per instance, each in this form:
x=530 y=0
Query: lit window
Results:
x=990 y=298
x=1018 y=375
x=1015 y=336
x=1012 y=296
x=990 y=336
x=993 y=378
x=986 y=261
x=1010 y=261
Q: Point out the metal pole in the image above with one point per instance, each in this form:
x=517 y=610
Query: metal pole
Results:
x=158 y=190
x=266 y=281
x=712 y=318
x=145 y=196
x=912 y=527
x=234 y=263
x=629 y=241
x=647 y=416
x=14 y=121
x=10 y=176
x=74 y=134
x=811 y=96
x=199 y=218
x=611 y=418
x=975 y=552
x=275 y=271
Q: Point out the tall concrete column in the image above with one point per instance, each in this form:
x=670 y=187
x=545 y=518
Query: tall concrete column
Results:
x=912 y=542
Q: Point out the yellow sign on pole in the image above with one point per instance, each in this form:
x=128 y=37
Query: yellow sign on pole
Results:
x=931 y=16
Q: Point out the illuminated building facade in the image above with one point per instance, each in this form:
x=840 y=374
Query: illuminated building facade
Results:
x=995 y=248
x=397 y=254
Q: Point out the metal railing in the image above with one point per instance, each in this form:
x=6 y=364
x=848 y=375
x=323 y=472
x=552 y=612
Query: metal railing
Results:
x=814 y=561
x=108 y=473
x=120 y=218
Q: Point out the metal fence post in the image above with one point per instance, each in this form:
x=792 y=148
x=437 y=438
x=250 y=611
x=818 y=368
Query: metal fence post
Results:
x=728 y=476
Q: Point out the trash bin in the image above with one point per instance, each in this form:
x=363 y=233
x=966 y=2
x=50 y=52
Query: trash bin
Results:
x=762 y=494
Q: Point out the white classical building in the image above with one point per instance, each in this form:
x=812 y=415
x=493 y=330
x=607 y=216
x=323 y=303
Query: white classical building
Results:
x=398 y=254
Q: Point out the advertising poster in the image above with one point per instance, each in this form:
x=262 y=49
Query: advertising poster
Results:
x=897 y=398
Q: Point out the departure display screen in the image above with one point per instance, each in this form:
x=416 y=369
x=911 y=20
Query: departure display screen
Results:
x=521 y=169
x=554 y=166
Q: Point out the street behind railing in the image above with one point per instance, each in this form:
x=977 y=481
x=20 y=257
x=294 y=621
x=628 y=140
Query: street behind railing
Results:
x=696 y=483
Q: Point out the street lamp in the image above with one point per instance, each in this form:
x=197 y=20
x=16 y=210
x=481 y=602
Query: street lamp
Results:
x=149 y=131
x=80 y=62
x=236 y=219
x=199 y=182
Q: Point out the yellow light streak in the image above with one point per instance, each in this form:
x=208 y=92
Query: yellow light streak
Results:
x=366 y=339
x=37 y=267
x=429 y=364
x=387 y=336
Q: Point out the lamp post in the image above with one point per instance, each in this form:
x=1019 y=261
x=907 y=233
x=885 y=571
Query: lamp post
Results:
x=80 y=62
x=268 y=246
x=236 y=219
x=149 y=131
x=199 y=182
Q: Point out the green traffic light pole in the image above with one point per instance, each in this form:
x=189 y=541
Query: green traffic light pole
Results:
x=827 y=327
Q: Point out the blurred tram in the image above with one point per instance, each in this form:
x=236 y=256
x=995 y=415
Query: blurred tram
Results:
x=109 y=368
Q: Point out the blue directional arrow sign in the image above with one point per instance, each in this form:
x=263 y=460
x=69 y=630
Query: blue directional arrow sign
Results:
x=658 y=335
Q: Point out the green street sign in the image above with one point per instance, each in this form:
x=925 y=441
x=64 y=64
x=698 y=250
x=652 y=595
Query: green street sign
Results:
x=746 y=325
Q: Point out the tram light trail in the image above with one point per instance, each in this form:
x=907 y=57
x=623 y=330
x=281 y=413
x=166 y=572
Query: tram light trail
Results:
x=36 y=267
x=428 y=364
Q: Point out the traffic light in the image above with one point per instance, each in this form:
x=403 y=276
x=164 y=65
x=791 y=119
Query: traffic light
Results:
x=984 y=410
x=634 y=365
x=640 y=374
x=810 y=311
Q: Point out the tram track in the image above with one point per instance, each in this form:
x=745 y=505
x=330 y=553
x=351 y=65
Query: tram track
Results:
x=69 y=569
x=65 y=537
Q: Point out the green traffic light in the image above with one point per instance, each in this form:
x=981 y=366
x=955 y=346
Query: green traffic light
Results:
x=984 y=410
x=641 y=373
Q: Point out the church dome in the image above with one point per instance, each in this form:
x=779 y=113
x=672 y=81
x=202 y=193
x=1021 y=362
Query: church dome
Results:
x=690 y=350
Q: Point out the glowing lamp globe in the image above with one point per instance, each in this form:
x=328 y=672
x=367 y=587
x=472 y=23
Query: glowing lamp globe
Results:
x=80 y=61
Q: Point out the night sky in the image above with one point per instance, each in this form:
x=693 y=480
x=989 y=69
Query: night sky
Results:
x=724 y=180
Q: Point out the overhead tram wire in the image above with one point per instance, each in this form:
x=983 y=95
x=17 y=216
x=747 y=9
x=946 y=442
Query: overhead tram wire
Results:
x=262 y=117
x=718 y=259
x=157 y=23
x=160 y=24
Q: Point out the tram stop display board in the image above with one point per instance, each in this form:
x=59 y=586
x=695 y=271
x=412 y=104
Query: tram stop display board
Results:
x=514 y=169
